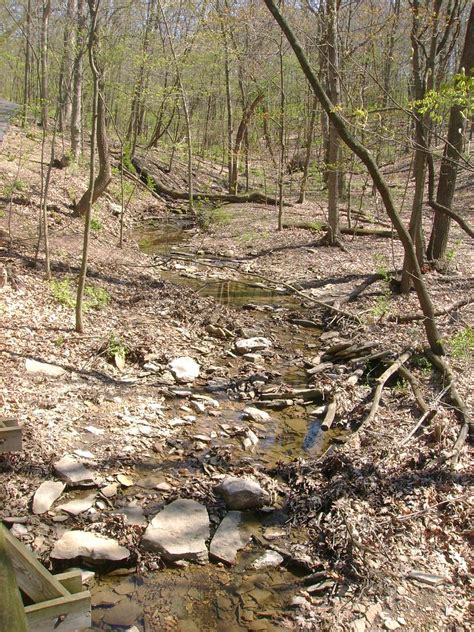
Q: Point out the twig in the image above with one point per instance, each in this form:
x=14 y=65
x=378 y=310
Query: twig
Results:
x=330 y=415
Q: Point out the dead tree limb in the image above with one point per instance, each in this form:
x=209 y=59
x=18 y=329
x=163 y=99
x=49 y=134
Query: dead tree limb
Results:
x=408 y=318
x=345 y=230
x=330 y=415
x=381 y=381
x=415 y=387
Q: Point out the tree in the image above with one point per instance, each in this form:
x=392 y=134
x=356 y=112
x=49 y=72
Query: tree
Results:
x=94 y=6
x=382 y=187
x=452 y=150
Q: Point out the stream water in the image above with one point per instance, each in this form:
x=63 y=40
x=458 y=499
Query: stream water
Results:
x=213 y=597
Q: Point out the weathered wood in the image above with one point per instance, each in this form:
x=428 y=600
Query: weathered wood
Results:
x=12 y=614
x=32 y=577
x=71 y=580
x=10 y=435
x=68 y=613
x=330 y=415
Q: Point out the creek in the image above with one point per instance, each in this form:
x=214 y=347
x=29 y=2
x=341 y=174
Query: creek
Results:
x=214 y=597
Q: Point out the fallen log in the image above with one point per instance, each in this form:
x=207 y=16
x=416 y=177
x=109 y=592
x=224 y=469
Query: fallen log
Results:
x=440 y=312
x=254 y=197
x=345 y=230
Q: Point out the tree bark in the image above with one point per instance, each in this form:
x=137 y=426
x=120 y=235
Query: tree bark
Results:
x=333 y=233
x=450 y=162
x=76 y=105
x=246 y=116
x=46 y=12
x=366 y=157
x=94 y=10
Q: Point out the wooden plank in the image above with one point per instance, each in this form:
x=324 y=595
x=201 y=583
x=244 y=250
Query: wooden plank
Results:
x=73 y=622
x=56 y=612
x=71 y=580
x=10 y=435
x=32 y=577
x=12 y=615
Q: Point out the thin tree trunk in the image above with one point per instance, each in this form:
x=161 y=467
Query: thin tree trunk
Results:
x=366 y=157
x=281 y=162
x=246 y=116
x=76 y=106
x=187 y=119
x=66 y=70
x=44 y=62
x=309 y=147
x=26 y=78
x=94 y=10
x=452 y=150
x=333 y=234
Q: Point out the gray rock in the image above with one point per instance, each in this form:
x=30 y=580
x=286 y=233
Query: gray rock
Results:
x=250 y=345
x=46 y=494
x=241 y=493
x=179 y=531
x=255 y=414
x=231 y=536
x=78 y=505
x=89 y=546
x=74 y=472
x=184 y=369
x=269 y=558
x=51 y=370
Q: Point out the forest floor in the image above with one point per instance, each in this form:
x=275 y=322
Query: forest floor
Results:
x=373 y=524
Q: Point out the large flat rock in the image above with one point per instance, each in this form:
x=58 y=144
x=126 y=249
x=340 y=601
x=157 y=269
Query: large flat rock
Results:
x=46 y=494
x=89 y=546
x=52 y=370
x=74 y=472
x=233 y=534
x=179 y=531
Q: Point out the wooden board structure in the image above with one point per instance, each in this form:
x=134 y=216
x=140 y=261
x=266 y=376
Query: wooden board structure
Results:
x=10 y=435
x=60 y=603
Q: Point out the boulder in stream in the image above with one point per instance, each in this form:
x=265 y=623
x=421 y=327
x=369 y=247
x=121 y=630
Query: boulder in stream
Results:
x=250 y=345
x=242 y=493
x=184 y=369
x=179 y=531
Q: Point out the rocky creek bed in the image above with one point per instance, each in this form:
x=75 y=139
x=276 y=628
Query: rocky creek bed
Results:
x=164 y=399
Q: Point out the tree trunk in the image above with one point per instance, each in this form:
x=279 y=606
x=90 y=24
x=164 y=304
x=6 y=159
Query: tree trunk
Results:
x=96 y=98
x=105 y=175
x=246 y=116
x=26 y=78
x=449 y=164
x=309 y=146
x=365 y=156
x=333 y=233
x=66 y=71
x=76 y=105
x=44 y=62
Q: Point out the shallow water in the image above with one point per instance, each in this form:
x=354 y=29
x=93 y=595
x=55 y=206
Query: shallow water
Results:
x=214 y=597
